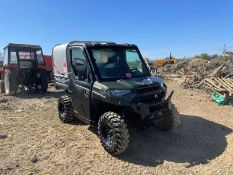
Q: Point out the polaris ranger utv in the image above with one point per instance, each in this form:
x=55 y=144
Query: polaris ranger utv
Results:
x=23 y=65
x=109 y=85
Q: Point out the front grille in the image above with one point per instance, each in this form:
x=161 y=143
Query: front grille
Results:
x=147 y=89
x=144 y=99
x=149 y=97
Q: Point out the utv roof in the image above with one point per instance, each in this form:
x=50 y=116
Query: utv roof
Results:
x=94 y=43
x=23 y=46
x=59 y=53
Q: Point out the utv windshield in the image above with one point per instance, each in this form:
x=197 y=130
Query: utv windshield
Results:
x=118 y=62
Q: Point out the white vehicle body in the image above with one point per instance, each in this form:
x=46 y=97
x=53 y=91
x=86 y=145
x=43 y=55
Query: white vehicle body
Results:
x=59 y=60
x=60 y=70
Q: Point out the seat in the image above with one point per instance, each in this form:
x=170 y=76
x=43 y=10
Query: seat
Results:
x=111 y=69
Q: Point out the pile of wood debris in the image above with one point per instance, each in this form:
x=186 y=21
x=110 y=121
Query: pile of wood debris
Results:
x=210 y=75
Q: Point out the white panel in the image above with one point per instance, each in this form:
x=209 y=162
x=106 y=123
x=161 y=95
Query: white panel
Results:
x=59 y=60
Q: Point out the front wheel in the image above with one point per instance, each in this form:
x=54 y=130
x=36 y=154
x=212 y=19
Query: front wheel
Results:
x=113 y=133
x=2 y=88
x=65 y=109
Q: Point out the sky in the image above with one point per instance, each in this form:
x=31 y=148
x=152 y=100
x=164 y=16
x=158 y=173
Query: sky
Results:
x=158 y=27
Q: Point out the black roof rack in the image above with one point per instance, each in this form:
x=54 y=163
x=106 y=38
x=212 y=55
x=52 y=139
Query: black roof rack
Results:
x=23 y=46
x=93 y=43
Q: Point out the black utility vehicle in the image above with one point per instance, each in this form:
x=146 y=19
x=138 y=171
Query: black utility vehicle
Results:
x=109 y=85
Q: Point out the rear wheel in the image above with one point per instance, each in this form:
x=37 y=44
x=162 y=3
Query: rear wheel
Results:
x=50 y=76
x=42 y=81
x=113 y=133
x=2 y=88
x=65 y=109
x=10 y=83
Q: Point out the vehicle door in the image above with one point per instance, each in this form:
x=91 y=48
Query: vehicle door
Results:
x=80 y=84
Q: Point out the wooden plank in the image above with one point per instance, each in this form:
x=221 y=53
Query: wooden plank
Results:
x=214 y=84
x=201 y=83
x=211 y=86
x=215 y=71
x=221 y=84
x=225 y=85
x=229 y=84
x=228 y=81
x=216 y=80
x=229 y=89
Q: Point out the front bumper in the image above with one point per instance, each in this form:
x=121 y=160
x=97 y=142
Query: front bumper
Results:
x=151 y=111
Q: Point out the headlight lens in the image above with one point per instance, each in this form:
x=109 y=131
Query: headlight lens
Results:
x=119 y=92
x=161 y=84
x=164 y=86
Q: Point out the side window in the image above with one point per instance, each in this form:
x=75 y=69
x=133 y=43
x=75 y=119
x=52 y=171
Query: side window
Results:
x=13 y=56
x=79 y=64
x=133 y=60
x=5 y=61
x=39 y=57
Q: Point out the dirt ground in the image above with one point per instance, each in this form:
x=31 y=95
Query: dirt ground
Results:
x=34 y=141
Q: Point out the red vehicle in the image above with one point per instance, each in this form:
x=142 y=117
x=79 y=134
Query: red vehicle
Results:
x=49 y=66
x=23 y=66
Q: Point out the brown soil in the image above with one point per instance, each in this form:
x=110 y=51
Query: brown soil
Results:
x=34 y=141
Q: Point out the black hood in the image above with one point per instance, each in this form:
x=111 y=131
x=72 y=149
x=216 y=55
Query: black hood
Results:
x=134 y=83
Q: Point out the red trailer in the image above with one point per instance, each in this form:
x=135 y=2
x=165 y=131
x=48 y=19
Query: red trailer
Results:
x=48 y=66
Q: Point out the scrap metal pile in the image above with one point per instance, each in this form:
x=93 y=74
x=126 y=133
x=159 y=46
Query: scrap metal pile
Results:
x=214 y=75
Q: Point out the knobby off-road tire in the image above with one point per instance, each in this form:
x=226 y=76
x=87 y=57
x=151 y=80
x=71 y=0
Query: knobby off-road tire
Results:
x=113 y=133
x=55 y=85
x=43 y=80
x=170 y=119
x=10 y=83
x=65 y=109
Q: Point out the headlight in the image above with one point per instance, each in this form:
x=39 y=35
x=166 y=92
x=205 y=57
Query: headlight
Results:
x=161 y=84
x=164 y=86
x=119 y=92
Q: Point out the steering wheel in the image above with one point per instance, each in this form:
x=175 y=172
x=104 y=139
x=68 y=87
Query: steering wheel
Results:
x=135 y=71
